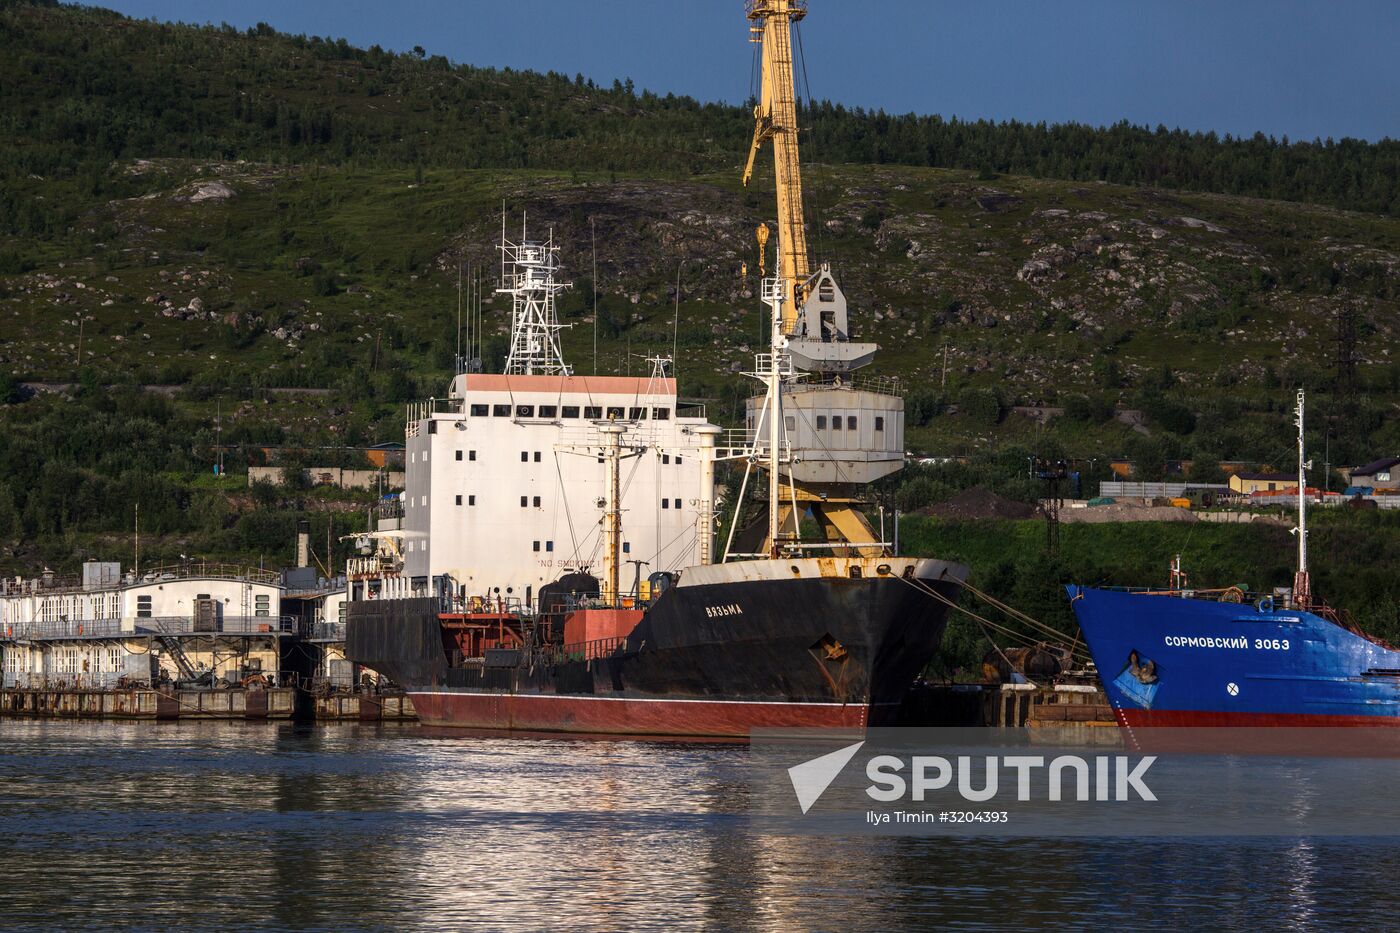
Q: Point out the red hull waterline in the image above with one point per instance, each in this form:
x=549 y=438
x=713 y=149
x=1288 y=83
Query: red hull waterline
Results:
x=1144 y=719
x=535 y=712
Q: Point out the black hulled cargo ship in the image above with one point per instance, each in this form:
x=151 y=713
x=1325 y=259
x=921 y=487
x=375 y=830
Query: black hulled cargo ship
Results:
x=728 y=648
x=465 y=604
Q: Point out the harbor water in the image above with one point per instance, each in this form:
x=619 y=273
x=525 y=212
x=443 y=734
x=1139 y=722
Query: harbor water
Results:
x=235 y=826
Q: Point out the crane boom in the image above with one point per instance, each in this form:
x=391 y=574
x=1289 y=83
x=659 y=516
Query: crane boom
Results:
x=775 y=119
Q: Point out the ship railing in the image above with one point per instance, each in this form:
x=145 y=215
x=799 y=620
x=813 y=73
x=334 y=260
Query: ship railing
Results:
x=327 y=631
x=881 y=385
x=72 y=680
x=417 y=412
x=582 y=651
x=227 y=625
x=203 y=570
x=57 y=629
x=484 y=605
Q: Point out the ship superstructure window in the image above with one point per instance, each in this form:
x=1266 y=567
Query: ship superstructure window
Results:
x=480 y=411
x=537 y=456
x=537 y=501
x=679 y=460
x=549 y=546
x=821 y=422
x=471 y=455
x=500 y=411
x=549 y=411
x=879 y=423
x=665 y=459
x=536 y=547
x=262 y=606
x=835 y=422
x=665 y=503
x=570 y=411
x=471 y=500
x=143 y=607
x=524 y=456
x=593 y=411
x=459 y=500
x=790 y=422
x=615 y=411
x=524 y=502
x=850 y=422
x=636 y=414
x=660 y=414
x=627 y=547
x=524 y=411
x=459 y=455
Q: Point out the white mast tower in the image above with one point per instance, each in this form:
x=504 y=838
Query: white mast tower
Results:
x=1302 y=585
x=527 y=275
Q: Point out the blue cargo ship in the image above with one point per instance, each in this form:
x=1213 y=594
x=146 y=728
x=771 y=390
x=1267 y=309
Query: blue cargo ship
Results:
x=1183 y=657
x=1170 y=659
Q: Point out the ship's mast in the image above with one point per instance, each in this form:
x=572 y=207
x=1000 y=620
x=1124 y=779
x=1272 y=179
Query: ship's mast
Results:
x=775 y=118
x=527 y=275
x=612 y=512
x=1302 y=586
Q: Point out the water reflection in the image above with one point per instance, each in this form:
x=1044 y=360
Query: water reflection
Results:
x=234 y=826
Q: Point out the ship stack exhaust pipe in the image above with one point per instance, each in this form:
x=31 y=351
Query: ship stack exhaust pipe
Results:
x=303 y=543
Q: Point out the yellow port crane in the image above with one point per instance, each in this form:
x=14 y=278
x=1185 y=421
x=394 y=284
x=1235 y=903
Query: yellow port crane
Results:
x=775 y=118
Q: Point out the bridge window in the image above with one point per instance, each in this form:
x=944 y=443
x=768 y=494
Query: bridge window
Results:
x=570 y=411
x=549 y=411
x=500 y=411
x=480 y=411
x=524 y=411
x=615 y=411
x=593 y=411
x=660 y=414
x=636 y=414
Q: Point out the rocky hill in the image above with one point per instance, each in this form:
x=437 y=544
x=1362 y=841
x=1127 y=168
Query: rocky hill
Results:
x=218 y=214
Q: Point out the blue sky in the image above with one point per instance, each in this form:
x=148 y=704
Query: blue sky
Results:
x=1302 y=68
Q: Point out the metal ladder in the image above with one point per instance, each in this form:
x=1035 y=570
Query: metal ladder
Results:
x=177 y=653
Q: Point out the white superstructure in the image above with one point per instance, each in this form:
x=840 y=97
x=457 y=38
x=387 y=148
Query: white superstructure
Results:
x=507 y=482
x=507 y=477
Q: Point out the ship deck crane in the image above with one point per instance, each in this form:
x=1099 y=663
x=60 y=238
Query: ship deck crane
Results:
x=775 y=120
x=826 y=473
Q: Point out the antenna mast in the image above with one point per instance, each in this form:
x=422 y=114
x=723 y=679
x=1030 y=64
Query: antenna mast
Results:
x=534 y=332
x=1302 y=585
